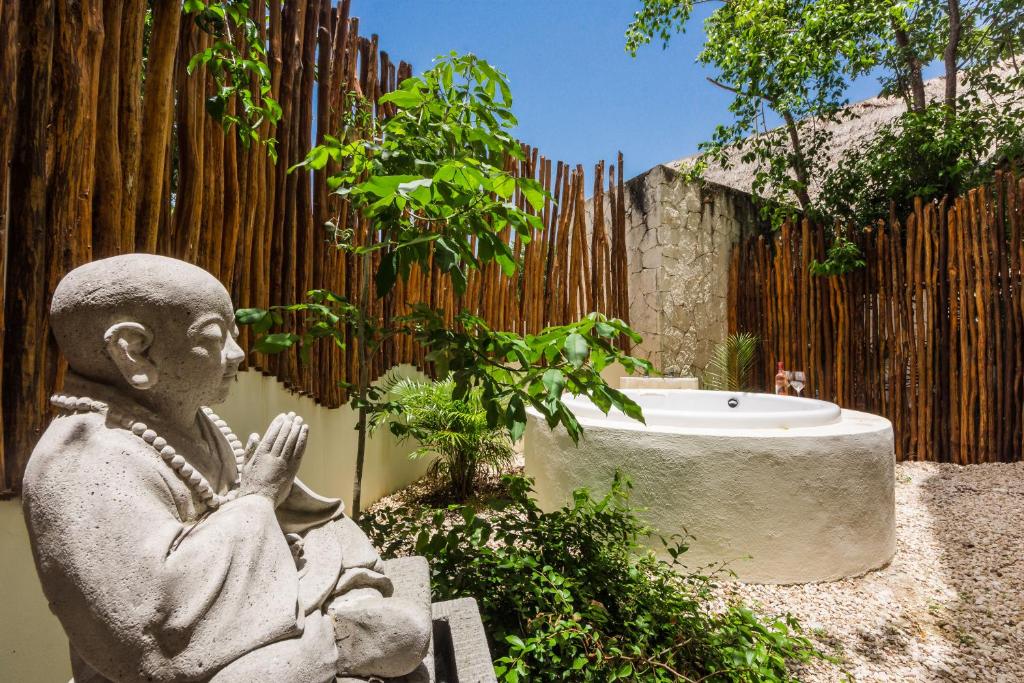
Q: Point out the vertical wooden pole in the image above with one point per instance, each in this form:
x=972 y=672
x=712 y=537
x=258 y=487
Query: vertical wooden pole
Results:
x=156 y=122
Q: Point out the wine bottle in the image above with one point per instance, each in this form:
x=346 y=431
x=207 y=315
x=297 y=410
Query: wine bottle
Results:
x=780 y=380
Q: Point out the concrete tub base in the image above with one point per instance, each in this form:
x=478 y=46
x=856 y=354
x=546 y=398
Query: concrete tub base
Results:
x=777 y=505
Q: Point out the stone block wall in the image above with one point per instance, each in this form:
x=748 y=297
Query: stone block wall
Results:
x=679 y=238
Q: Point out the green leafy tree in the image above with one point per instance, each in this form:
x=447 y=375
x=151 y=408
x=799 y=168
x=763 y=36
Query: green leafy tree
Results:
x=926 y=154
x=792 y=61
x=431 y=180
x=454 y=430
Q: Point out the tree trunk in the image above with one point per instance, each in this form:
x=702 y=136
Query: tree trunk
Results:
x=129 y=116
x=364 y=380
x=9 y=42
x=25 y=304
x=799 y=162
x=916 y=79
x=109 y=185
x=950 y=56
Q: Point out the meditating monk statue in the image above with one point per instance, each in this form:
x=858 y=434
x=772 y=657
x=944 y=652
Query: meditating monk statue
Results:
x=168 y=549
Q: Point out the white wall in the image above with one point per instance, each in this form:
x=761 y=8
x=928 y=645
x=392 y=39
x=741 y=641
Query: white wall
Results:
x=32 y=645
x=329 y=464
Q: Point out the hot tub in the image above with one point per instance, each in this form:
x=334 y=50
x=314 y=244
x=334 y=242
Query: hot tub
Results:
x=782 y=489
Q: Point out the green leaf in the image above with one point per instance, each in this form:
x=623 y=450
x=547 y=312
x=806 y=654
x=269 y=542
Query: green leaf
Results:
x=216 y=105
x=576 y=349
x=554 y=382
x=275 y=343
x=418 y=190
x=508 y=265
x=429 y=237
x=385 y=185
x=250 y=316
x=533 y=191
x=403 y=98
x=504 y=185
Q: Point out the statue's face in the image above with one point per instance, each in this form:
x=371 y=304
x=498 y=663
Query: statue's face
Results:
x=198 y=358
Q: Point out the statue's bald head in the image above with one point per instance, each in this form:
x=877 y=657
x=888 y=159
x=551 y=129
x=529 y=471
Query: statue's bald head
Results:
x=161 y=294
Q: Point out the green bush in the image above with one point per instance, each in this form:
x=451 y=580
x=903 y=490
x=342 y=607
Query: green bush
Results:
x=455 y=430
x=571 y=595
x=731 y=364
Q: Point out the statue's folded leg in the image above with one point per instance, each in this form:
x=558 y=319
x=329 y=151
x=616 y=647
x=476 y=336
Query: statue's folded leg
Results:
x=385 y=637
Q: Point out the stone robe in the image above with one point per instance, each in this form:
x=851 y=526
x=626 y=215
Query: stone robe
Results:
x=151 y=585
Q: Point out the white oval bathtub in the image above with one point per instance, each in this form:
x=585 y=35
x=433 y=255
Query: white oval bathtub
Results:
x=719 y=409
x=783 y=489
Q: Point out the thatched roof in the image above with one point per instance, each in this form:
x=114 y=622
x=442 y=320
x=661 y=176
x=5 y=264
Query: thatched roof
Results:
x=850 y=133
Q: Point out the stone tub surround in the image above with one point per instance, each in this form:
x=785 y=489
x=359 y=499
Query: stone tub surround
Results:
x=778 y=505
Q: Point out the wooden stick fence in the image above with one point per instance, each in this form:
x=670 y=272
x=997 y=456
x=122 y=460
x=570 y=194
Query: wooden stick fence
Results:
x=929 y=334
x=102 y=154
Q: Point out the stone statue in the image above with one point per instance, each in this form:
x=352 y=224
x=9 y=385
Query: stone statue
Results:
x=168 y=549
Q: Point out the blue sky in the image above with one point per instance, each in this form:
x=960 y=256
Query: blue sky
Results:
x=578 y=96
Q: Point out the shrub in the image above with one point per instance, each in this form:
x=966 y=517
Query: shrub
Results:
x=571 y=595
x=453 y=429
x=731 y=363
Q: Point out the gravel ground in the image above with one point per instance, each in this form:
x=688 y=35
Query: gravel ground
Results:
x=950 y=606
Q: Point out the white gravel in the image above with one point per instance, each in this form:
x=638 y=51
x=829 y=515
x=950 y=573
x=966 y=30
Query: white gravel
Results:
x=950 y=606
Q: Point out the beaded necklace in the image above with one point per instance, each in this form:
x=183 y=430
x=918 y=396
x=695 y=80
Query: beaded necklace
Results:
x=188 y=474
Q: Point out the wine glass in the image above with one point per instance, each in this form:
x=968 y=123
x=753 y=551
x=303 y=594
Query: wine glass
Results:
x=797 y=381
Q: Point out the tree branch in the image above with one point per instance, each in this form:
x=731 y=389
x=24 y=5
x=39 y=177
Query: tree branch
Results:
x=799 y=165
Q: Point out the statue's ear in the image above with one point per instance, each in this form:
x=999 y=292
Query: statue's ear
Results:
x=128 y=346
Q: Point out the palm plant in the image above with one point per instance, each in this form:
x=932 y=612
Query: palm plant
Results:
x=453 y=429
x=731 y=363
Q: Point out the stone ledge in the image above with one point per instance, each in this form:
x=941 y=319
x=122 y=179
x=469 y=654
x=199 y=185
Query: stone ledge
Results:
x=465 y=657
x=659 y=383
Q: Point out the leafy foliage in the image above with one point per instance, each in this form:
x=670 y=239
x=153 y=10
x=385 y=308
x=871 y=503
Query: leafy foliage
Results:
x=794 y=59
x=453 y=429
x=504 y=371
x=925 y=154
x=431 y=178
x=571 y=595
x=789 y=65
x=237 y=60
x=731 y=364
x=843 y=256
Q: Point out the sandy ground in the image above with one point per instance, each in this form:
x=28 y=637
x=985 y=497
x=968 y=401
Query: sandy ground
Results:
x=950 y=606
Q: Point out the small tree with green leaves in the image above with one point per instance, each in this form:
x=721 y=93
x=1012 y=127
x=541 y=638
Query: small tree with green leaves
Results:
x=431 y=180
